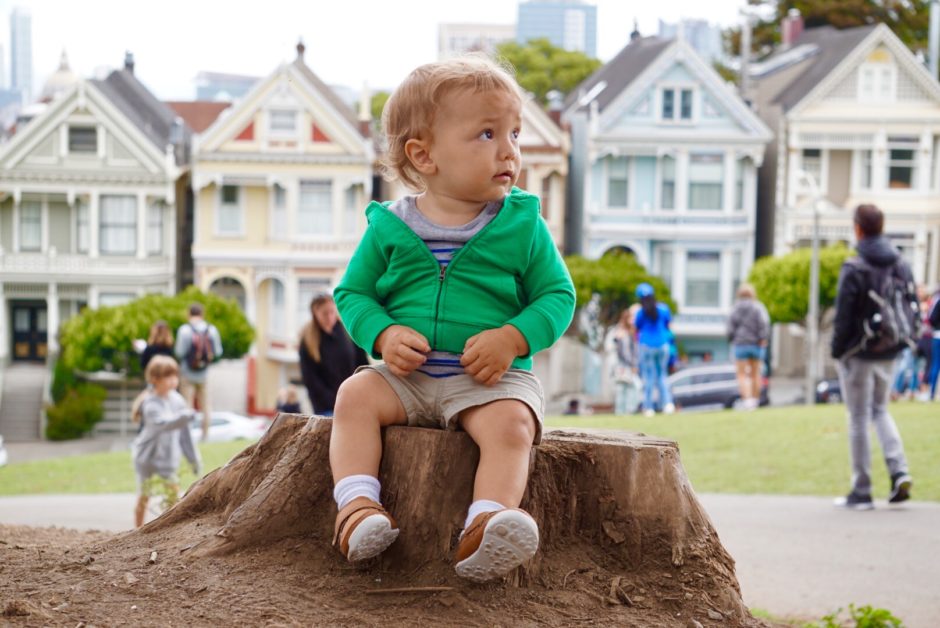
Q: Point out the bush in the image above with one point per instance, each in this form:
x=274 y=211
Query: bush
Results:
x=63 y=380
x=102 y=339
x=76 y=413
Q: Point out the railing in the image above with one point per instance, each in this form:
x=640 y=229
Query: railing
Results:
x=71 y=264
x=636 y=218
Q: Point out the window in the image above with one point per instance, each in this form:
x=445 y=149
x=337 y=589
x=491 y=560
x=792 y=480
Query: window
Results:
x=546 y=201
x=665 y=266
x=865 y=169
x=114 y=299
x=737 y=272
x=669 y=182
x=351 y=210
x=277 y=323
x=672 y=112
x=315 y=209
x=229 y=220
x=30 y=226
x=702 y=279
x=283 y=121
x=83 y=140
x=155 y=228
x=82 y=229
x=739 y=168
x=902 y=162
x=706 y=175
x=306 y=290
x=812 y=164
x=877 y=82
x=278 y=212
x=118 y=229
x=617 y=180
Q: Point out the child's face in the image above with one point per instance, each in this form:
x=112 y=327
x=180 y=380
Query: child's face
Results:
x=475 y=146
x=165 y=384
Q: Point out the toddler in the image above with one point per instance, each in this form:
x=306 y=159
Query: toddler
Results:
x=456 y=289
x=164 y=435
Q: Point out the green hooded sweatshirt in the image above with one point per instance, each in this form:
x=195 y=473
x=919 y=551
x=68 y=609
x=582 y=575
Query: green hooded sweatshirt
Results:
x=509 y=272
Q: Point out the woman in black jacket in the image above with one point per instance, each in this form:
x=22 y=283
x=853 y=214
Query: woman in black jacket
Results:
x=160 y=342
x=327 y=355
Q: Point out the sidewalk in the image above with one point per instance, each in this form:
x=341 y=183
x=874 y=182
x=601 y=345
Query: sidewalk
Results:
x=795 y=556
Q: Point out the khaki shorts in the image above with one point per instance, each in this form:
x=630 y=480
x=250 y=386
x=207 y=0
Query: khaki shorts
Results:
x=438 y=402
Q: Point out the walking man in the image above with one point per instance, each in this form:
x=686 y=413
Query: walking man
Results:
x=870 y=331
x=197 y=346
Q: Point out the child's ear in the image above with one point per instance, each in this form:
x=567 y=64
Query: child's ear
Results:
x=419 y=154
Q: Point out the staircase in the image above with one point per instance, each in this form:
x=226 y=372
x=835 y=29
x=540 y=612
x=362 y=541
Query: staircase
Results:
x=21 y=402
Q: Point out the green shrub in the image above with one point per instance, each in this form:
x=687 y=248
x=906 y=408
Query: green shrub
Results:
x=101 y=339
x=63 y=380
x=76 y=413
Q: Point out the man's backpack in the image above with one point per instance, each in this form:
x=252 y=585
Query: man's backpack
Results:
x=933 y=315
x=200 y=354
x=891 y=313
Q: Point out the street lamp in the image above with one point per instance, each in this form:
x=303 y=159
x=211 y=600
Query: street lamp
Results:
x=812 y=323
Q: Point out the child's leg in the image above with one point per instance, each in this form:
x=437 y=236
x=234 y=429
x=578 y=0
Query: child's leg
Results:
x=504 y=431
x=365 y=403
x=139 y=510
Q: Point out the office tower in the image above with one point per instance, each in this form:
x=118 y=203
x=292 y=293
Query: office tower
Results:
x=21 y=53
x=455 y=39
x=570 y=24
x=704 y=38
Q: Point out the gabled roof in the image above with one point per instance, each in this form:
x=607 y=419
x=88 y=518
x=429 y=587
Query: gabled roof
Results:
x=619 y=72
x=154 y=118
x=831 y=47
x=198 y=114
x=327 y=92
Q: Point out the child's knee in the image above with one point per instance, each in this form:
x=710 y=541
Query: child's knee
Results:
x=518 y=425
x=358 y=392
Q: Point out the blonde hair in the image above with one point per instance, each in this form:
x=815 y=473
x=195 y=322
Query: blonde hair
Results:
x=160 y=366
x=410 y=110
x=160 y=334
x=746 y=291
x=312 y=332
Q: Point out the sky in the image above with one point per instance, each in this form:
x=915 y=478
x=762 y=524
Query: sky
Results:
x=348 y=42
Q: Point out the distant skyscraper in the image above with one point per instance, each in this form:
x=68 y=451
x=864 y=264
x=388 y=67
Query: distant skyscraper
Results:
x=219 y=86
x=21 y=53
x=704 y=38
x=570 y=24
x=454 y=39
x=3 y=67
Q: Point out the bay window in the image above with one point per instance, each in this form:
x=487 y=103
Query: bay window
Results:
x=706 y=178
x=118 y=225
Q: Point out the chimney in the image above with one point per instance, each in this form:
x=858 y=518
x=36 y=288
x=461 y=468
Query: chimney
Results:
x=792 y=27
x=300 y=49
x=129 y=61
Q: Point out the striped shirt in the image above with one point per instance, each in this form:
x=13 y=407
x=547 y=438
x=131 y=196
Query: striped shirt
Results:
x=444 y=243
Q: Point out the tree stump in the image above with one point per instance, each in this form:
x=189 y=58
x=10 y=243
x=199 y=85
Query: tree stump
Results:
x=614 y=508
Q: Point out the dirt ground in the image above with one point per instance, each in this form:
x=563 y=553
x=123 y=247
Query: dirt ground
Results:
x=57 y=577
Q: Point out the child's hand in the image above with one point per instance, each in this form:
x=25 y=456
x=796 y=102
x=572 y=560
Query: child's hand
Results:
x=488 y=355
x=402 y=348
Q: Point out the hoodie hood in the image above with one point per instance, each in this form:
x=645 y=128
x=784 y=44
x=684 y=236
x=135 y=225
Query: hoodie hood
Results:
x=878 y=251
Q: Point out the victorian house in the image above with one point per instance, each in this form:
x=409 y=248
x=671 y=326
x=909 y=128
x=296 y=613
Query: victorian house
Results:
x=857 y=120
x=280 y=182
x=664 y=165
x=88 y=207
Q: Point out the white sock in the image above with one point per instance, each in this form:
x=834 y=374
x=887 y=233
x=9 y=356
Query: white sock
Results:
x=480 y=506
x=353 y=486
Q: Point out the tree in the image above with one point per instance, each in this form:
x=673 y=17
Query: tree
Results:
x=782 y=283
x=541 y=67
x=102 y=339
x=377 y=105
x=613 y=278
x=909 y=19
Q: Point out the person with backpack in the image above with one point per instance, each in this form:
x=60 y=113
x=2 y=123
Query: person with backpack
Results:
x=198 y=345
x=877 y=316
x=933 y=319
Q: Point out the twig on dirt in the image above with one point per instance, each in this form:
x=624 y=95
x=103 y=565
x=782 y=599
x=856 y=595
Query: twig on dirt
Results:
x=416 y=569
x=565 y=581
x=601 y=598
x=409 y=590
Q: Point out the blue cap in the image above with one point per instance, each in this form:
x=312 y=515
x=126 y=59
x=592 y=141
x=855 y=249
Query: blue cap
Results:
x=644 y=290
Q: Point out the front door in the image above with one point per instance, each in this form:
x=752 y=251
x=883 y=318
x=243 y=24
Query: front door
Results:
x=29 y=330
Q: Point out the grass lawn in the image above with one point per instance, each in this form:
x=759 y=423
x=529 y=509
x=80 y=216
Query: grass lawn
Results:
x=98 y=473
x=794 y=450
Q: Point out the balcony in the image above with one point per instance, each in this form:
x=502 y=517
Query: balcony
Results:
x=35 y=266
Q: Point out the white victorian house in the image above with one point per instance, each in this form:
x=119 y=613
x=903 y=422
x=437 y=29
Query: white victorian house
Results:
x=665 y=155
x=88 y=197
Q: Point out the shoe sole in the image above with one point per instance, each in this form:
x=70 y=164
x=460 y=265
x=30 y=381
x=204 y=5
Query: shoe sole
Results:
x=371 y=537
x=861 y=506
x=509 y=539
x=902 y=492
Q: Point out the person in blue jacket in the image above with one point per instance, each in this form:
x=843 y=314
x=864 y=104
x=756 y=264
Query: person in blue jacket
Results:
x=652 y=324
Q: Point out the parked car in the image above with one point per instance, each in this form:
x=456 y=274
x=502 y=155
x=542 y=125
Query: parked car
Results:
x=3 y=453
x=229 y=426
x=709 y=384
x=829 y=391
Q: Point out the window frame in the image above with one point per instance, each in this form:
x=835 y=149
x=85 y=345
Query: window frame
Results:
x=106 y=225
x=238 y=209
x=155 y=235
x=679 y=103
x=35 y=222
x=895 y=144
x=72 y=144
x=609 y=180
x=718 y=158
x=316 y=232
x=283 y=131
x=691 y=263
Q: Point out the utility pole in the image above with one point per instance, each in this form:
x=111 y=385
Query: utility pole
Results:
x=812 y=317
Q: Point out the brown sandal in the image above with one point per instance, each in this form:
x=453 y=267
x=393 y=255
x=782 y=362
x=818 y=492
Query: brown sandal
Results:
x=363 y=529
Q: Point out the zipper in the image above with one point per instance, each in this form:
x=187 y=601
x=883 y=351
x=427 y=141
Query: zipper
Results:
x=437 y=303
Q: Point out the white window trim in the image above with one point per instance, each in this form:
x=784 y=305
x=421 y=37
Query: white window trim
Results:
x=162 y=207
x=605 y=191
x=335 y=205
x=677 y=88
x=283 y=133
x=99 y=224
x=83 y=154
x=687 y=209
x=722 y=280
x=876 y=97
x=240 y=233
x=43 y=226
